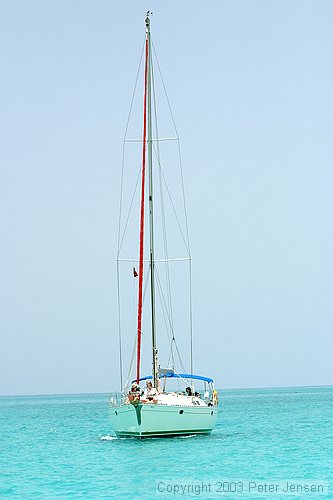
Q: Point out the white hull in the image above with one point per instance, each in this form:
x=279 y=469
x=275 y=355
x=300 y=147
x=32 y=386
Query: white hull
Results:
x=154 y=420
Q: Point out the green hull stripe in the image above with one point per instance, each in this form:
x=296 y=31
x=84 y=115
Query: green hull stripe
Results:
x=138 y=412
x=162 y=433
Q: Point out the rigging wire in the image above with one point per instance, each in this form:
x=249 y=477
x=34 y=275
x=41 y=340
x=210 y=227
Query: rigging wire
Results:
x=179 y=151
x=173 y=338
x=173 y=207
x=135 y=333
x=123 y=152
x=120 y=218
x=165 y=243
x=129 y=213
x=191 y=318
x=135 y=87
x=184 y=206
x=119 y=331
x=168 y=309
x=167 y=319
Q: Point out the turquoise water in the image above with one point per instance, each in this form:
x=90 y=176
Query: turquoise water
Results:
x=63 y=447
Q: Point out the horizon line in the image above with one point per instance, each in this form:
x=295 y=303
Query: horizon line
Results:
x=110 y=392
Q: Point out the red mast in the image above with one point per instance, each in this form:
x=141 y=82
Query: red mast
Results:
x=142 y=214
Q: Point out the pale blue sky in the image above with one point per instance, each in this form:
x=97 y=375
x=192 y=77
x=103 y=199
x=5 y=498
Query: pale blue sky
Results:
x=250 y=83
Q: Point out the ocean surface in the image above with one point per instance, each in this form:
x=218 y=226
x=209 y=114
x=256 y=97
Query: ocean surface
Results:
x=63 y=447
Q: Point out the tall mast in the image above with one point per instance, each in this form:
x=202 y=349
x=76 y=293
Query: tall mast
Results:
x=151 y=206
x=142 y=215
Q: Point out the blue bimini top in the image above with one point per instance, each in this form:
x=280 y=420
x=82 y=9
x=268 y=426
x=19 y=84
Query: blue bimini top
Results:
x=179 y=375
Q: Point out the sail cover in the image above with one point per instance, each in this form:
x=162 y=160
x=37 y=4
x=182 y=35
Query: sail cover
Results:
x=180 y=375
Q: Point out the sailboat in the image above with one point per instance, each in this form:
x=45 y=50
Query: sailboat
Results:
x=171 y=403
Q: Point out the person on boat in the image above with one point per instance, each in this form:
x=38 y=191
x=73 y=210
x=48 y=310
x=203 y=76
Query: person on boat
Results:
x=150 y=393
x=134 y=394
x=197 y=394
x=188 y=391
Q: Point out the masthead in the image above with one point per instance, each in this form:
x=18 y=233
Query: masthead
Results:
x=149 y=13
